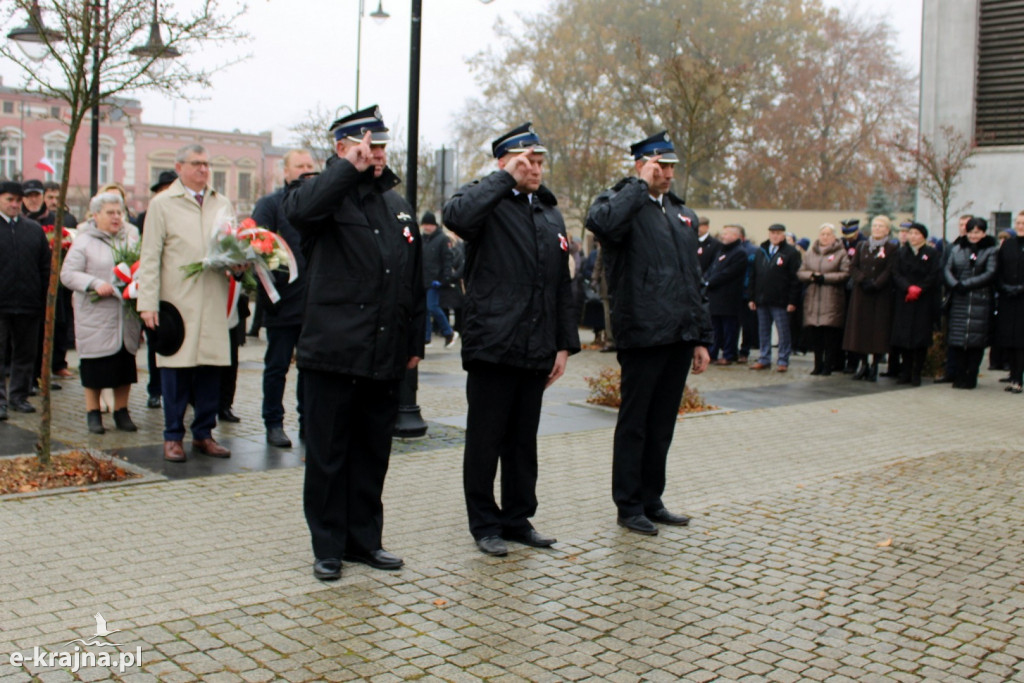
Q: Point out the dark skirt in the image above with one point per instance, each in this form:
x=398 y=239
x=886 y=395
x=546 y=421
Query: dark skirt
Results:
x=110 y=371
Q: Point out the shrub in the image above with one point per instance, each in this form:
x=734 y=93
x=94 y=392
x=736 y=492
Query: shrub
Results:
x=606 y=390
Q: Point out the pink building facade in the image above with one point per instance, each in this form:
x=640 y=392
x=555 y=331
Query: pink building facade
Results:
x=133 y=153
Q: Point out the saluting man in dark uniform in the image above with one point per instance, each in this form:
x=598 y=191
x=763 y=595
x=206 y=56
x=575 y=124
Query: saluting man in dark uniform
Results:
x=363 y=327
x=661 y=323
x=520 y=327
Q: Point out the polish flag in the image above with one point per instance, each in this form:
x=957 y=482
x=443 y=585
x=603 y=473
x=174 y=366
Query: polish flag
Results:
x=45 y=164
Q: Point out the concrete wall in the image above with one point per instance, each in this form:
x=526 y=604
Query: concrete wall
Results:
x=948 y=68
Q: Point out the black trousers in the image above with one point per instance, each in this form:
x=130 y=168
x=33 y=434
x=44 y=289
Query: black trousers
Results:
x=20 y=334
x=348 y=422
x=501 y=426
x=653 y=379
x=229 y=373
x=1016 y=365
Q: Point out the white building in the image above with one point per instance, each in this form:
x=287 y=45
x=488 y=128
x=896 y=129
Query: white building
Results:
x=972 y=78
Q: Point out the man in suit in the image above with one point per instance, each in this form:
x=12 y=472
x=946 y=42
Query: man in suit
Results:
x=179 y=224
x=660 y=318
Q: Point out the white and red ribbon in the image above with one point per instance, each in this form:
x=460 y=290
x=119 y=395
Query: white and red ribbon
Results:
x=129 y=275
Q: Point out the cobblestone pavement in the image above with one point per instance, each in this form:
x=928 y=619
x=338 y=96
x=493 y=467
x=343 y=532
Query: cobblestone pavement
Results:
x=873 y=537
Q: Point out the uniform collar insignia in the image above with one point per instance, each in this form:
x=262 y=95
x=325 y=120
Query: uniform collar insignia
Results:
x=403 y=216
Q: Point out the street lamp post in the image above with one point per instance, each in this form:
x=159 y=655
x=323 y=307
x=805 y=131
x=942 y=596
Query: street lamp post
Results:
x=379 y=15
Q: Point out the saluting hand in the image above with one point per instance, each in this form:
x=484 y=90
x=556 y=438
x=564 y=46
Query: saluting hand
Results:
x=359 y=155
x=519 y=167
x=650 y=172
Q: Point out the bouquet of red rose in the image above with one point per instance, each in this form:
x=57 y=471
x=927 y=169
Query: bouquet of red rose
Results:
x=247 y=243
x=67 y=237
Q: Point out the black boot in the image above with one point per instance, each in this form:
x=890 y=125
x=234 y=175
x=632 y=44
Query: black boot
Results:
x=872 y=373
x=95 y=421
x=818 y=366
x=862 y=370
x=124 y=421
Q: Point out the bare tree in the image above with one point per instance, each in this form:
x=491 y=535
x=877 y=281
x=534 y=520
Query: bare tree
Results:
x=313 y=132
x=91 y=56
x=939 y=162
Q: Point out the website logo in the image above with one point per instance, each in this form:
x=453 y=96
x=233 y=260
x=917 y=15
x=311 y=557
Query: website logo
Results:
x=82 y=656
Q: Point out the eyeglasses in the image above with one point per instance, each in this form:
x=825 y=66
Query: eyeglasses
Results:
x=198 y=164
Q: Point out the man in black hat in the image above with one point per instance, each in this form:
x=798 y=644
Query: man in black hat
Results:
x=23 y=281
x=32 y=203
x=520 y=327
x=363 y=328
x=153 y=387
x=437 y=273
x=283 y=320
x=852 y=237
x=661 y=322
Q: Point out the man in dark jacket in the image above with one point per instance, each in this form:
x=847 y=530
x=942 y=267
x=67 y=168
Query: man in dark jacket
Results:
x=707 y=246
x=437 y=271
x=283 y=320
x=661 y=323
x=23 y=281
x=363 y=328
x=724 y=281
x=519 y=330
x=776 y=293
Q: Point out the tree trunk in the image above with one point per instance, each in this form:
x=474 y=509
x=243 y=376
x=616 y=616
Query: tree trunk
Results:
x=56 y=258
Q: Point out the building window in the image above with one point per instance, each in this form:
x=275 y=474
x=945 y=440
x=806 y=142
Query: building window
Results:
x=10 y=158
x=220 y=181
x=8 y=107
x=999 y=85
x=244 y=187
x=55 y=112
x=106 y=165
x=54 y=151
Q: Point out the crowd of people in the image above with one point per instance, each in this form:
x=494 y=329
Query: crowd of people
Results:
x=374 y=285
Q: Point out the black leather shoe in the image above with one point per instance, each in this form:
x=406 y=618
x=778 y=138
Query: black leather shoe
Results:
x=328 y=569
x=94 y=420
x=277 y=437
x=530 y=537
x=22 y=406
x=663 y=516
x=639 y=524
x=153 y=402
x=228 y=416
x=378 y=559
x=492 y=545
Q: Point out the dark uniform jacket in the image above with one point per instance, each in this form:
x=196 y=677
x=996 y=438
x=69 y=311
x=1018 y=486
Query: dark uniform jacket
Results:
x=650 y=259
x=25 y=274
x=774 y=281
x=519 y=308
x=970 y=307
x=437 y=258
x=269 y=213
x=914 y=321
x=869 y=317
x=707 y=251
x=365 y=304
x=1010 y=279
x=725 y=279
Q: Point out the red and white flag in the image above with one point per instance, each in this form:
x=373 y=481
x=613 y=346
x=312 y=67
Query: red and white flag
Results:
x=45 y=164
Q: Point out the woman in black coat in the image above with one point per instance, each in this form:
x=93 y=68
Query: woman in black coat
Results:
x=1010 y=321
x=916 y=273
x=869 y=318
x=970 y=273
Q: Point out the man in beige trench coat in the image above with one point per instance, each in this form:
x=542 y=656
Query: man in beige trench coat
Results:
x=179 y=224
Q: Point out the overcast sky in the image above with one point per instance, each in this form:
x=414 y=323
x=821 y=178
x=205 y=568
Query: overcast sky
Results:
x=304 y=55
